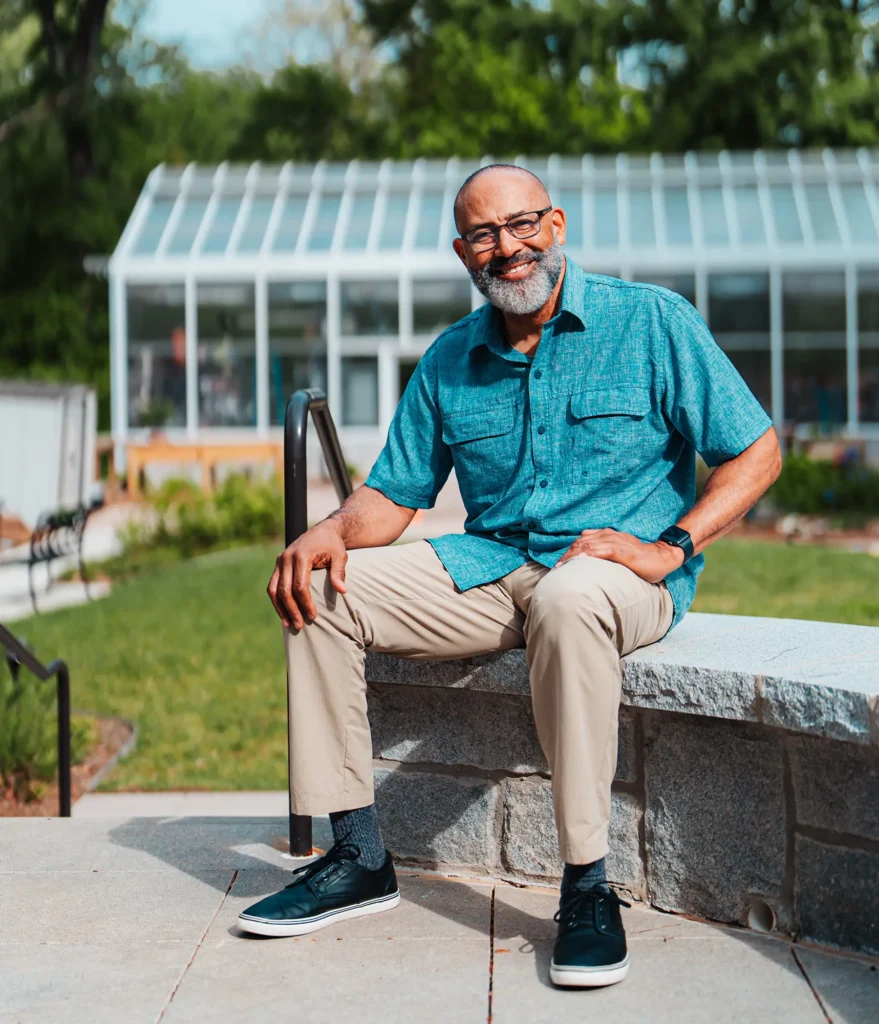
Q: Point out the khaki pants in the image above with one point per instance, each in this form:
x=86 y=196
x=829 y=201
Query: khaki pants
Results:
x=575 y=622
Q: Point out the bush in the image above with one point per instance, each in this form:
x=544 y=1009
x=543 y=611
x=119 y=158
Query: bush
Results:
x=189 y=522
x=810 y=487
x=29 y=733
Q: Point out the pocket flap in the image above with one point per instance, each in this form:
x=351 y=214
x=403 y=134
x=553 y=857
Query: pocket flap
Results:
x=632 y=401
x=490 y=421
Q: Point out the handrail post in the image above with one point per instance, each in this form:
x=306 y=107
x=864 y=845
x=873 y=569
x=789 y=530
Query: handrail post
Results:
x=63 y=683
x=302 y=402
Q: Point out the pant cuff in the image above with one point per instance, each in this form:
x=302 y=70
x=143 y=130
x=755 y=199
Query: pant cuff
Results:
x=311 y=805
x=574 y=851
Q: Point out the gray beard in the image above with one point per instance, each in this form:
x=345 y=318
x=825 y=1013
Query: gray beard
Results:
x=531 y=293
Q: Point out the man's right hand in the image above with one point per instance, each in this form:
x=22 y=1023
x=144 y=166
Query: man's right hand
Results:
x=290 y=586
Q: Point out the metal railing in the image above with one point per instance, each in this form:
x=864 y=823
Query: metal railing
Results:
x=17 y=654
x=302 y=403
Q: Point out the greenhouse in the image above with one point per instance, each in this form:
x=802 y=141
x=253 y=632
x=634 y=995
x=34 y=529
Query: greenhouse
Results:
x=234 y=285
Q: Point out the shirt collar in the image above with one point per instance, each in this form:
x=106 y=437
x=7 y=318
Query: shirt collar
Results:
x=573 y=301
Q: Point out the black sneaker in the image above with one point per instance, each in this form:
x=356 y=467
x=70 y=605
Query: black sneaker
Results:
x=590 y=950
x=331 y=888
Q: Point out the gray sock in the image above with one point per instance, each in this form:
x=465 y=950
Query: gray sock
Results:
x=360 y=828
x=584 y=876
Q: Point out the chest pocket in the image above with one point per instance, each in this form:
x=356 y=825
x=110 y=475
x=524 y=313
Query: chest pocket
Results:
x=485 y=449
x=608 y=431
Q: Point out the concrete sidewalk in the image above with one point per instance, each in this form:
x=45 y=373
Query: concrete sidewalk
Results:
x=133 y=919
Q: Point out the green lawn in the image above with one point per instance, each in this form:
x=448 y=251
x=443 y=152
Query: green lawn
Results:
x=192 y=652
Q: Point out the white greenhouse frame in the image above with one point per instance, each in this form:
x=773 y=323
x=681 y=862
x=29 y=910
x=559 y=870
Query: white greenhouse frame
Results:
x=815 y=210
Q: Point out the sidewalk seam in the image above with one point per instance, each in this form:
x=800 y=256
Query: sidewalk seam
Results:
x=491 y=958
x=812 y=988
x=198 y=945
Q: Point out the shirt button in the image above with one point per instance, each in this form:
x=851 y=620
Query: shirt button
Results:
x=538 y=374
x=544 y=483
x=531 y=524
x=541 y=430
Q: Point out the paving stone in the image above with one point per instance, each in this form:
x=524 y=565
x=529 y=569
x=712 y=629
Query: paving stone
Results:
x=110 y=907
x=715 y=817
x=848 y=989
x=836 y=898
x=87 y=983
x=824 y=710
x=702 y=973
x=530 y=844
x=443 y=819
x=455 y=727
x=426 y=960
x=145 y=844
x=836 y=785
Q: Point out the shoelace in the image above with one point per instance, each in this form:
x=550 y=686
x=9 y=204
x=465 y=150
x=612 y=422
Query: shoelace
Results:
x=334 y=856
x=570 y=909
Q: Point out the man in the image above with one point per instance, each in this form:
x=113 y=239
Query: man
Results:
x=571 y=406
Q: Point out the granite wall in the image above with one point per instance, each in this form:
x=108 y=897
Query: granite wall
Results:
x=737 y=821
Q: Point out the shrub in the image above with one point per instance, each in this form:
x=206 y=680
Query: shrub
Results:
x=811 y=487
x=29 y=732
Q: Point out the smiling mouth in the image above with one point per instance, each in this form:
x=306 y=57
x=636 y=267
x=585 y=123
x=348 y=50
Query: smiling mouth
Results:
x=516 y=272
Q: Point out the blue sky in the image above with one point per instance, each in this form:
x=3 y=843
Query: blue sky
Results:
x=211 y=32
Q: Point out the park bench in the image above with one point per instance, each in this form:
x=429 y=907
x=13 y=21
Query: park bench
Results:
x=58 y=534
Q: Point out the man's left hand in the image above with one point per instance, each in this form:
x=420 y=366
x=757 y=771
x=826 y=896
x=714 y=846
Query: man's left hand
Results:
x=651 y=561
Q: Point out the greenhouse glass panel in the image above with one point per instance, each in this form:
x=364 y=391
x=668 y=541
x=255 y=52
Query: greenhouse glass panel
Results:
x=641 y=229
x=369 y=308
x=738 y=316
x=324 y=227
x=813 y=314
x=359 y=391
x=749 y=214
x=857 y=212
x=156 y=355
x=153 y=226
x=714 y=226
x=571 y=201
x=427 y=233
x=290 y=224
x=360 y=221
x=821 y=213
x=784 y=210
x=395 y=220
x=218 y=234
x=683 y=284
x=438 y=304
x=254 y=231
x=868 y=345
x=226 y=355
x=297 y=341
x=677 y=216
x=606 y=219
x=187 y=227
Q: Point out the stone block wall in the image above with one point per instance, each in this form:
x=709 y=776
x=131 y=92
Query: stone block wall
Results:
x=737 y=821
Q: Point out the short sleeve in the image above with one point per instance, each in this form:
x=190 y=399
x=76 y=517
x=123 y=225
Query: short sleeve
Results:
x=415 y=461
x=705 y=397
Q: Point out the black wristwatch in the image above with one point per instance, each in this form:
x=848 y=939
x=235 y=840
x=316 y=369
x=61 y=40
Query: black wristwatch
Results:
x=680 y=539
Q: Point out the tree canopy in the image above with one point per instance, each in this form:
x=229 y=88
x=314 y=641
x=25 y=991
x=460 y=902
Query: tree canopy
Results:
x=89 y=104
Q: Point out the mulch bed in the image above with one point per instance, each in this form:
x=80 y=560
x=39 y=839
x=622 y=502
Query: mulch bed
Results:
x=112 y=734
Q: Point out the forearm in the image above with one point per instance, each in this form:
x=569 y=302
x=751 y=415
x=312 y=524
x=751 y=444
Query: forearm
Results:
x=368 y=519
x=731 y=490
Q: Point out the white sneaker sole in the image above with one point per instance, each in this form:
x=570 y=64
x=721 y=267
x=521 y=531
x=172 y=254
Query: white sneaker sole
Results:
x=304 y=925
x=588 y=977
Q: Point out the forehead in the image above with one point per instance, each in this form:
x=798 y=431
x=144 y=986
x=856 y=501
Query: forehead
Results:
x=497 y=195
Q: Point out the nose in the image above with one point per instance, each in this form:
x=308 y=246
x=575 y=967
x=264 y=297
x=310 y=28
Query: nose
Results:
x=507 y=245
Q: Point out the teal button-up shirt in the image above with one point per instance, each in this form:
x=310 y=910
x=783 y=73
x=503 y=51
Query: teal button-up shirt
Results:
x=600 y=428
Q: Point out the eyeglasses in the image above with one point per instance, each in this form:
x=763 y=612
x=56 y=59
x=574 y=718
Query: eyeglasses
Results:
x=523 y=225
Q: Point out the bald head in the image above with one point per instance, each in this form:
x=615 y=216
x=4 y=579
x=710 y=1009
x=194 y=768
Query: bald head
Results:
x=495 y=184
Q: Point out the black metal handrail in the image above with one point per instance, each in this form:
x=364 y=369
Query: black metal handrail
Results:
x=18 y=654
x=303 y=402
